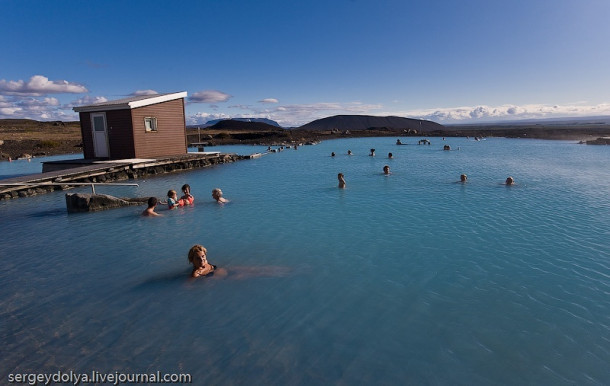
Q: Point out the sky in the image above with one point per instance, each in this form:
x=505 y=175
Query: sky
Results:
x=294 y=61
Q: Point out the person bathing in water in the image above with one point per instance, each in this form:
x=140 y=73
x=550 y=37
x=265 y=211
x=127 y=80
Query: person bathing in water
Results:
x=188 y=197
x=341 y=179
x=172 y=200
x=152 y=204
x=217 y=195
x=198 y=256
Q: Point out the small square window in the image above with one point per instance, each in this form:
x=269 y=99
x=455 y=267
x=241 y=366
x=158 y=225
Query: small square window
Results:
x=150 y=123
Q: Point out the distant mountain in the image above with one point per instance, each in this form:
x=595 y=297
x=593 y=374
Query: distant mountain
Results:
x=369 y=122
x=235 y=124
x=215 y=121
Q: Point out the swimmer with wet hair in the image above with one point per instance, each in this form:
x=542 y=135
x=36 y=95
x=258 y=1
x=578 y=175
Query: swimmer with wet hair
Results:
x=510 y=181
x=150 y=211
x=198 y=256
x=217 y=195
x=463 y=178
x=386 y=170
x=188 y=197
x=341 y=179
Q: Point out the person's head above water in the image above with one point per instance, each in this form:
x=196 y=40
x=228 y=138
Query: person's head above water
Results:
x=198 y=255
x=463 y=177
x=152 y=202
x=510 y=181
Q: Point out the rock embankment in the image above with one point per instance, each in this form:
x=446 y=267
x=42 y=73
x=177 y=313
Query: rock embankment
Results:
x=79 y=202
x=47 y=182
x=600 y=141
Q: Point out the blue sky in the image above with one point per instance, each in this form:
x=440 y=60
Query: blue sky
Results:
x=295 y=61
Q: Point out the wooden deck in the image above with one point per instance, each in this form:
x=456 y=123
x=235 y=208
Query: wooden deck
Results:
x=106 y=171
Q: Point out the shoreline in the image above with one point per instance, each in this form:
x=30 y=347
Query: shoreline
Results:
x=43 y=144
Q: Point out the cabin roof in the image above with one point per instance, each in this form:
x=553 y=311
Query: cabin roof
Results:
x=131 y=102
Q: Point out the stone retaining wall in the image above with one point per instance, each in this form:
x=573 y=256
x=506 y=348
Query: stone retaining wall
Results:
x=131 y=172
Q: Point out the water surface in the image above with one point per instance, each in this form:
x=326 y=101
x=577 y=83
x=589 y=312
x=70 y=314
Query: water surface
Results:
x=411 y=278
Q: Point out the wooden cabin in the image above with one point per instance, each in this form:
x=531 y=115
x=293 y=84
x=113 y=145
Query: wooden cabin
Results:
x=146 y=126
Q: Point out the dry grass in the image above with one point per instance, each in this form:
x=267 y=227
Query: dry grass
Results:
x=24 y=129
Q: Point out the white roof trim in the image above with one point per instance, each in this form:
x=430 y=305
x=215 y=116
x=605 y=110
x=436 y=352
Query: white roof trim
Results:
x=154 y=99
x=159 y=99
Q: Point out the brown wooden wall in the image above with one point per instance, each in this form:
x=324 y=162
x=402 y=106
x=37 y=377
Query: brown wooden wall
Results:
x=170 y=138
x=120 y=134
x=87 y=135
x=127 y=136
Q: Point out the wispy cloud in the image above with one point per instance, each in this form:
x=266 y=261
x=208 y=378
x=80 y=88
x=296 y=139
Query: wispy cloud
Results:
x=144 y=92
x=209 y=96
x=86 y=100
x=269 y=100
x=39 y=85
x=33 y=103
x=92 y=64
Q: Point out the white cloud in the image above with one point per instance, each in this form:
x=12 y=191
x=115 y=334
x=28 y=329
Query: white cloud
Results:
x=144 y=92
x=34 y=103
x=269 y=100
x=209 y=96
x=200 y=118
x=88 y=100
x=9 y=112
x=39 y=85
x=482 y=113
x=34 y=108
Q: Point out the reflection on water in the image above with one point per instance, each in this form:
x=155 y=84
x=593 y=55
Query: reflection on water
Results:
x=386 y=281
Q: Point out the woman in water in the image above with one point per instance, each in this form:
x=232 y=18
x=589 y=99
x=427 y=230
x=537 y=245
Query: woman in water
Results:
x=201 y=267
x=188 y=197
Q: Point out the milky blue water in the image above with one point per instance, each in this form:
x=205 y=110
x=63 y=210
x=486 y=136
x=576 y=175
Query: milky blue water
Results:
x=410 y=278
x=23 y=167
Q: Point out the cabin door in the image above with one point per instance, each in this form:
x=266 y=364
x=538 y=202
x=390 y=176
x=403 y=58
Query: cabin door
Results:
x=100 y=135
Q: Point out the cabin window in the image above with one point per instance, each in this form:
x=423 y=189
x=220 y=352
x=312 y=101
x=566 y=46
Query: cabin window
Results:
x=150 y=123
